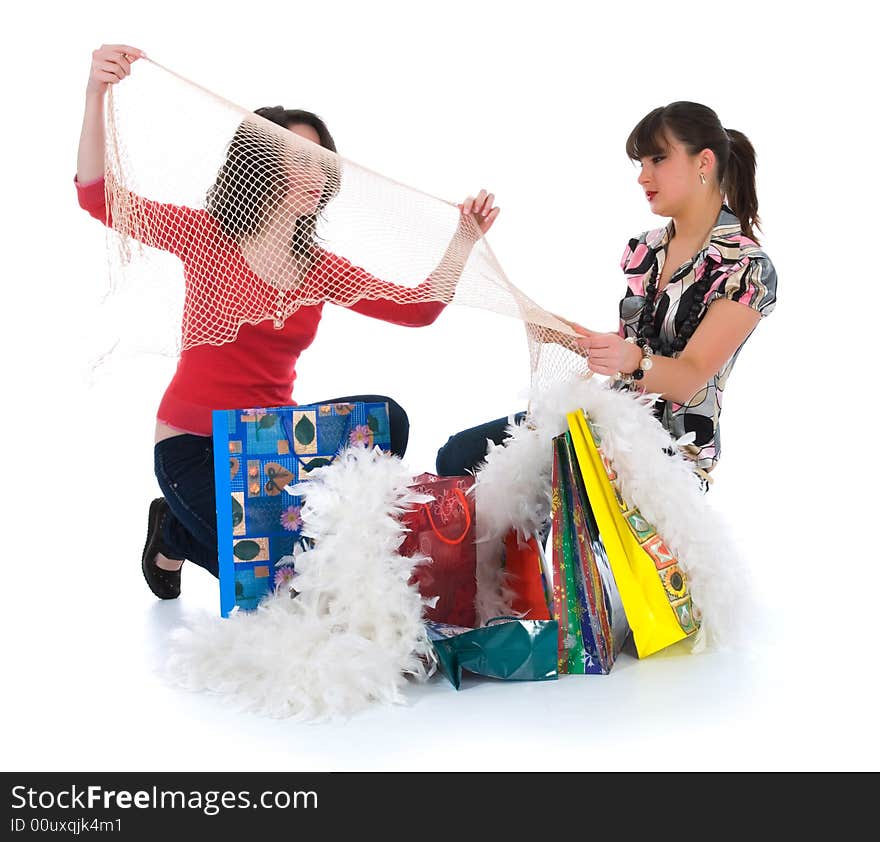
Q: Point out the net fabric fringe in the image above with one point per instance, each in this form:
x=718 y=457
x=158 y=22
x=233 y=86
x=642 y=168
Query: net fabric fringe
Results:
x=265 y=222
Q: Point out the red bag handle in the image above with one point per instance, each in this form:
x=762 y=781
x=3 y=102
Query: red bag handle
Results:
x=467 y=516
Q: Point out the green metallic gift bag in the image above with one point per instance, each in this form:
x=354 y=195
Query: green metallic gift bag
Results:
x=506 y=648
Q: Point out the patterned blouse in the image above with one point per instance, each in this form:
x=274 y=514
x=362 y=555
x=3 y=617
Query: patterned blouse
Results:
x=740 y=271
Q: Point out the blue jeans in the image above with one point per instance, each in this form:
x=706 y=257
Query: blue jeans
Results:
x=465 y=450
x=185 y=471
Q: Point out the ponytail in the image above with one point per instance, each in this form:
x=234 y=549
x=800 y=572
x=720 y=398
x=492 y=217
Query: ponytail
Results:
x=739 y=183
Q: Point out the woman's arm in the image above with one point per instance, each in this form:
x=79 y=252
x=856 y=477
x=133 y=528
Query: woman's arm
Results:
x=723 y=329
x=476 y=218
x=163 y=226
x=726 y=325
x=110 y=64
x=736 y=303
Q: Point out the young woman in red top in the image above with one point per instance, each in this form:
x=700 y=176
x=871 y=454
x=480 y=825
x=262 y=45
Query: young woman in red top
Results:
x=257 y=368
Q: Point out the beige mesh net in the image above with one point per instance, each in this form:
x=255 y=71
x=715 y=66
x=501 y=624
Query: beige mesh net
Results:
x=265 y=222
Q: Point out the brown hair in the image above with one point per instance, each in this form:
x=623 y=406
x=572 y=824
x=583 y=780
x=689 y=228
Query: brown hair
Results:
x=698 y=127
x=247 y=184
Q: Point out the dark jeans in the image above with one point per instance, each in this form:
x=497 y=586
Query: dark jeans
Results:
x=185 y=471
x=465 y=450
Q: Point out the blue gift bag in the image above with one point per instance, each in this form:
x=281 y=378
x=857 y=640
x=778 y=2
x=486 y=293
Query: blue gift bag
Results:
x=258 y=454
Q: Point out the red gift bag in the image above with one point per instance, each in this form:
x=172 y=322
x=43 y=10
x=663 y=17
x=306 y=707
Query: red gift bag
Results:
x=444 y=531
x=522 y=562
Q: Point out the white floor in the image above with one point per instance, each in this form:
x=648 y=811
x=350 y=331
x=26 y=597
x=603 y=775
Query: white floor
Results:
x=82 y=694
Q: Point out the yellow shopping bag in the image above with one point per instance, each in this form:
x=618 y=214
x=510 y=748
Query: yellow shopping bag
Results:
x=652 y=586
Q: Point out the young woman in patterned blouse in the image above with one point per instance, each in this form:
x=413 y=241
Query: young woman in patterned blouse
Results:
x=696 y=288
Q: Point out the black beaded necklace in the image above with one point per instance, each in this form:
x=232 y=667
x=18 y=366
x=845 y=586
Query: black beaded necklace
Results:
x=648 y=330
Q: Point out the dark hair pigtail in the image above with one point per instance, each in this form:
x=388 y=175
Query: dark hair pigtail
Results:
x=739 y=183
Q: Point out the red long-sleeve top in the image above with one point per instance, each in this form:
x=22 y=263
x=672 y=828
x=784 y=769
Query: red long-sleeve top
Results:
x=258 y=367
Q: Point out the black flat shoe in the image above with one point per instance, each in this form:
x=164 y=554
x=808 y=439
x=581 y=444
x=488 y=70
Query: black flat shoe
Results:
x=165 y=584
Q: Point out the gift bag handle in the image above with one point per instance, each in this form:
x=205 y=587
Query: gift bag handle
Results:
x=467 y=516
x=287 y=428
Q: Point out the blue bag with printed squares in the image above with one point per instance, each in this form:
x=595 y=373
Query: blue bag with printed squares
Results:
x=258 y=453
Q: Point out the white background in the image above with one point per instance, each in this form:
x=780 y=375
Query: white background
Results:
x=450 y=97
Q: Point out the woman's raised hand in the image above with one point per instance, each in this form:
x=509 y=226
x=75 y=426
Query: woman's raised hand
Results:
x=481 y=209
x=111 y=63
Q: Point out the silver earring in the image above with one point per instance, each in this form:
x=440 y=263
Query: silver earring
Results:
x=702 y=179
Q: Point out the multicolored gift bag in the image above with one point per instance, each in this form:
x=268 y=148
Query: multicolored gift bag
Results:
x=603 y=603
x=652 y=586
x=585 y=593
x=568 y=610
x=258 y=455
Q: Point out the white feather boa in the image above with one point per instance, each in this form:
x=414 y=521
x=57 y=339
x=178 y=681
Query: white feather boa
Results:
x=513 y=492
x=355 y=630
